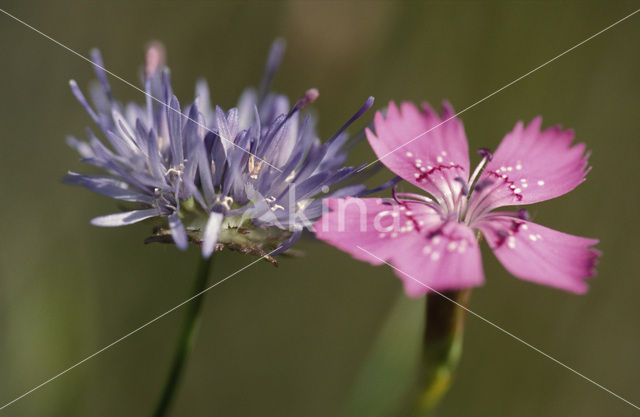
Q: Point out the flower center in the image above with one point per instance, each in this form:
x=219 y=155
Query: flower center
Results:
x=472 y=185
x=455 y=208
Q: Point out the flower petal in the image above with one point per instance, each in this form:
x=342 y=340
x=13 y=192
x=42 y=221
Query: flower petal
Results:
x=536 y=253
x=211 y=231
x=98 y=67
x=227 y=126
x=178 y=232
x=80 y=97
x=248 y=100
x=372 y=223
x=83 y=148
x=287 y=244
x=174 y=121
x=423 y=148
x=449 y=260
x=124 y=132
x=531 y=165
x=427 y=254
x=123 y=219
x=109 y=187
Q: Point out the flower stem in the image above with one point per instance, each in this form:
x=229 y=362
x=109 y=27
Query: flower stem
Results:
x=442 y=348
x=185 y=338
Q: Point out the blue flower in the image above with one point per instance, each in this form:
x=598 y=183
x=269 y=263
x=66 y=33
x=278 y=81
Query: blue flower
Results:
x=250 y=179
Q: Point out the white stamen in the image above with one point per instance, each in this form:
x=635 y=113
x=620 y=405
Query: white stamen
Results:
x=478 y=169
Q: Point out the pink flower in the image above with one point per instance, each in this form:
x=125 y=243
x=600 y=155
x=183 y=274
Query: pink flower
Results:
x=432 y=237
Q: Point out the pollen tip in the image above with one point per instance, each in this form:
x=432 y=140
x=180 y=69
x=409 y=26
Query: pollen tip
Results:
x=311 y=95
x=155 y=57
x=369 y=102
x=523 y=214
x=485 y=153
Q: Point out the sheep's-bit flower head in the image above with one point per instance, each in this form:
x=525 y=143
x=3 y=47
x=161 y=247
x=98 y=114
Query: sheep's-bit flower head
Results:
x=431 y=239
x=247 y=178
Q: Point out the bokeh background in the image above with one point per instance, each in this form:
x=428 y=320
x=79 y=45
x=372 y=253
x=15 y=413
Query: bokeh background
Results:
x=289 y=341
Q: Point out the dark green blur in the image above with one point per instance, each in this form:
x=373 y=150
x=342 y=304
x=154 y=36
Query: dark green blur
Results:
x=288 y=341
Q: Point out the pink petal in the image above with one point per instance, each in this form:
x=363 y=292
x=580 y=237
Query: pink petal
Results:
x=374 y=224
x=375 y=232
x=437 y=150
x=536 y=253
x=448 y=261
x=531 y=165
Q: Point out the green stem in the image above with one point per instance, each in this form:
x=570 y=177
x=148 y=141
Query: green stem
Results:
x=442 y=348
x=185 y=339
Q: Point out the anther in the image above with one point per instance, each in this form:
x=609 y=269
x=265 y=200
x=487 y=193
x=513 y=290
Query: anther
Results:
x=225 y=201
x=486 y=157
x=254 y=167
x=482 y=185
x=485 y=153
x=394 y=193
x=434 y=233
x=465 y=187
x=523 y=214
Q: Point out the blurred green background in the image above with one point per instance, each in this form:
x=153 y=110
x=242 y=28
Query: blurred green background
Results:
x=289 y=341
